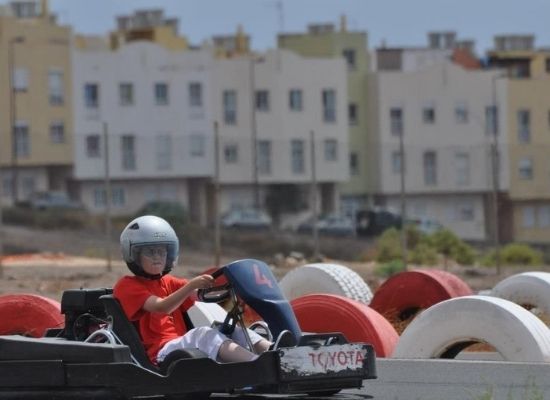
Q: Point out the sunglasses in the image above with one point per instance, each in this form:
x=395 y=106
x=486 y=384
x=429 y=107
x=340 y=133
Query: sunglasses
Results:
x=154 y=251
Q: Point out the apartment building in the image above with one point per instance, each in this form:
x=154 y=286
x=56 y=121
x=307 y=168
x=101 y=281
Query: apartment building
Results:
x=528 y=123
x=445 y=114
x=159 y=108
x=36 y=120
x=326 y=40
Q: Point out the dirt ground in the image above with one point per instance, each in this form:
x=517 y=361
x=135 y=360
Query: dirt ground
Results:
x=68 y=260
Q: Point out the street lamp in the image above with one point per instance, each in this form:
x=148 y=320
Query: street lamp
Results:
x=11 y=80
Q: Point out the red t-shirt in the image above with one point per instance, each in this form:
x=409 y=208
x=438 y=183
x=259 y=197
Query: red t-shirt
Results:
x=155 y=329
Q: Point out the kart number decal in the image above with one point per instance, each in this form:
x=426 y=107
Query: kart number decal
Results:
x=309 y=361
x=260 y=278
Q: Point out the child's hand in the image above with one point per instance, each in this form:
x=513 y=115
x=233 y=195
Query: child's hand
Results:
x=201 y=282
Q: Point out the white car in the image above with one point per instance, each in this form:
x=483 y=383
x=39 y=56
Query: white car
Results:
x=246 y=219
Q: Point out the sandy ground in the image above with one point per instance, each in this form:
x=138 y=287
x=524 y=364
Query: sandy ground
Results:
x=69 y=260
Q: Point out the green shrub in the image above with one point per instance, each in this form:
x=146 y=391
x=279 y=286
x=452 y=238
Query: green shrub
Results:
x=388 y=269
x=172 y=212
x=46 y=219
x=423 y=254
x=514 y=254
x=452 y=247
x=388 y=246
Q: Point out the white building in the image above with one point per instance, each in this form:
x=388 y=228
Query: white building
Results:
x=161 y=106
x=444 y=113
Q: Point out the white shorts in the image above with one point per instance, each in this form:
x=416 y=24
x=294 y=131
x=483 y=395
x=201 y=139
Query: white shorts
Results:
x=206 y=339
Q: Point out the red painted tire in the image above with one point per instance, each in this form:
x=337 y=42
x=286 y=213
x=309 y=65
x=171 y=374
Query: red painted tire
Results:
x=29 y=315
x=406 y=293
x=322 y=313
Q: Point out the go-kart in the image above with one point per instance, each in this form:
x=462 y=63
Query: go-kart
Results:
x=98 y=354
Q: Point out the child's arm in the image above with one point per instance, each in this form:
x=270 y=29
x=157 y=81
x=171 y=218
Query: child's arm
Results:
x=171 y=302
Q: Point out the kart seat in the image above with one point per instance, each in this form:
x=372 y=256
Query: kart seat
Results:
x=126 y=331
x=128 y=334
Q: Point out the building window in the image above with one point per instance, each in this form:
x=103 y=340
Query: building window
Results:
x=329 y=105
x=262 y=100
x=164 y=152
x=528 y=216
x=93 y=149
x=295 y=100
x=297 y=156
x=396 y=121
x=349 y=56
x=428 y=114
x=461 y=112
x=231 y=153
x=20 y=79
x=7 y=186
x=56 y=88
x=22 y=139
x=126 y=94
x=331 y=150
x=162 y=96
x=524 y=126
x=128 y=146
x=430 y=168
x=118 y=197
x=230 y=107
x=197 y=145
x=28 y=186
x=100 y=198
x=352 y=114
x=543 y=216
x=491 y=120
x=462 y=166
x=548 y=65
x=525 y=169
x=396 y=162
x=353 y=163
x=264 y=157
x=57 y=132
x=195 y=94
x=91 y=95
x=464 y=211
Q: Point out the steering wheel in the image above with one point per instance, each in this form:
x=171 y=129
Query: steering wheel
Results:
x=215 y=294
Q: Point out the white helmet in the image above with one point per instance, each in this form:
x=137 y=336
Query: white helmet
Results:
x=145 y=231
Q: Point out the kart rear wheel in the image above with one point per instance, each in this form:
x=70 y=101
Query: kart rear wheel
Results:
x=324 y=313
x=28 y=315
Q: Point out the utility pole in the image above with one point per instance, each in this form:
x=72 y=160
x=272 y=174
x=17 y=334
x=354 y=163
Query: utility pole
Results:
x=13 y=115
x=107 y=197
x=403 y=201
x=217 y=234
x=495 y=170
x=1 y=222
x=314 y=197
x=254 y=129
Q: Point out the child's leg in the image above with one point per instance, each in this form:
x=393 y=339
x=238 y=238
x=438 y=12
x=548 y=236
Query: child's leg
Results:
x=231 y=352
x=258 y=342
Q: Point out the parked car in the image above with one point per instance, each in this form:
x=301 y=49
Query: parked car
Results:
x=332 y=224
x=374 y=222
x=425 y=225
x=51 y=200
x=246 y=219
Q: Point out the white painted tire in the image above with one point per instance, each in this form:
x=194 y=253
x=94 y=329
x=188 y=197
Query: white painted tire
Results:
x=531 y=288
x=325 y=278
x=513 y=331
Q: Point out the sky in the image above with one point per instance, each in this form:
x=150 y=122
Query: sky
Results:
x=395 y=22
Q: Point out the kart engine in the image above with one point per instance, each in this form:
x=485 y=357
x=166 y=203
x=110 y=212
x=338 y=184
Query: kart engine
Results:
x=84 y=312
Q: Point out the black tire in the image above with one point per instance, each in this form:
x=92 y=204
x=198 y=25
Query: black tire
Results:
x=325 y=393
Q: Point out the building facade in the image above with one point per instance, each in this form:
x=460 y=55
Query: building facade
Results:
x=161 y=110
x=444 y=114
x=528 y=123
x=325 y=40
x=36 y=119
